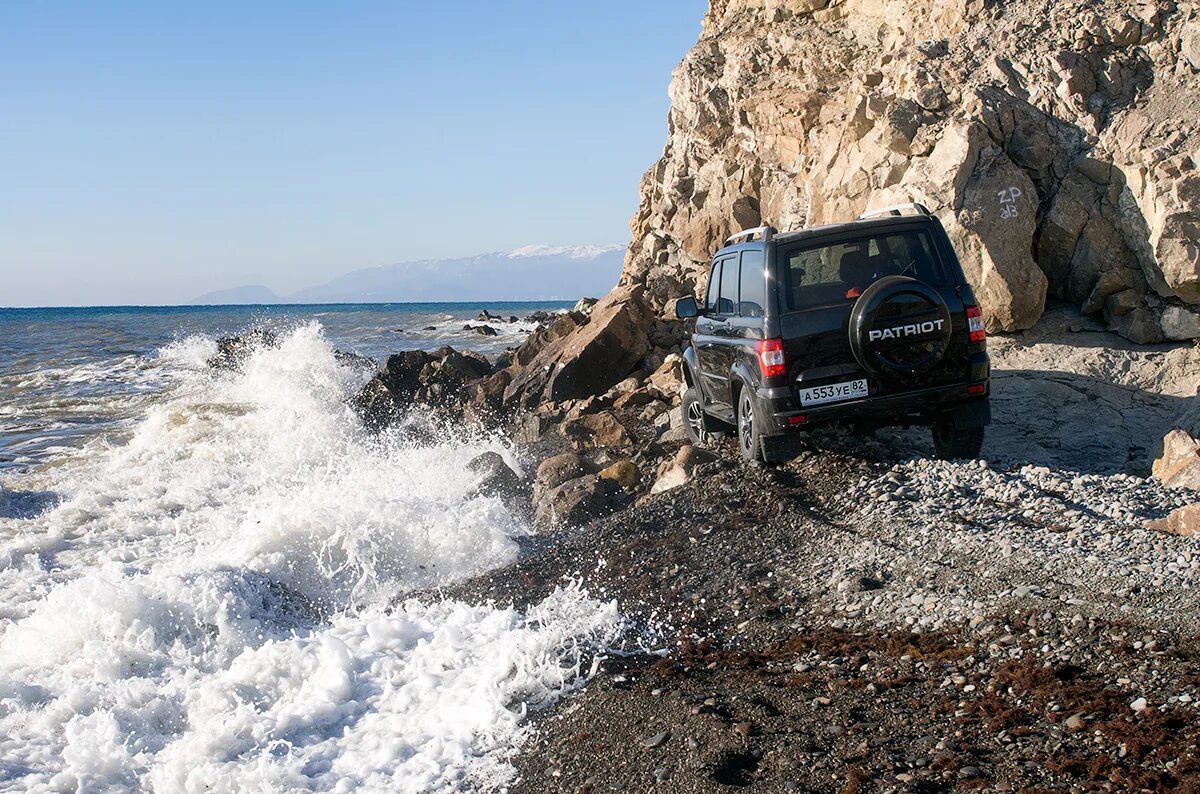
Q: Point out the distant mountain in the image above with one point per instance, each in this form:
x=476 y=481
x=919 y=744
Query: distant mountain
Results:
x=250 y=295
x=534 y=272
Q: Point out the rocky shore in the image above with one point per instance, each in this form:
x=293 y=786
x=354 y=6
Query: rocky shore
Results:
x=867 y=619
x=863 y=618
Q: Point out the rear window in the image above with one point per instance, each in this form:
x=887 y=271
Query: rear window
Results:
x=821 y=275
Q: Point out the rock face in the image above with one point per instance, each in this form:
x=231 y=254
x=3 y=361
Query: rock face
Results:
x=1056 y=142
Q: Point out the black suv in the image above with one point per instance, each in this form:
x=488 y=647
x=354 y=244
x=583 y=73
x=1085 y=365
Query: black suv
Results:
x=868 y=323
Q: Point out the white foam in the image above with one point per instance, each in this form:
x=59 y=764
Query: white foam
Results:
x=206 y=607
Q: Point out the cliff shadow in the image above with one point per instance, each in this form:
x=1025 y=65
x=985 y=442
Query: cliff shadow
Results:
x=1065 y=421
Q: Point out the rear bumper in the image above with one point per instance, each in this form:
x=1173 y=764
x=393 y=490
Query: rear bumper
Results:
x=967 y=401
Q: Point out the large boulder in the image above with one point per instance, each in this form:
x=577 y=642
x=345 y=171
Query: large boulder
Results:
x=557 y=469
x=597 y=430
x=623 y=472
x=993 y=233
x=587 y=359
x=442 y=379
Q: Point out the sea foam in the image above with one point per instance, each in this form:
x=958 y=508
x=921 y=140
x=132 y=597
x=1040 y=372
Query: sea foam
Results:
x=210 y=604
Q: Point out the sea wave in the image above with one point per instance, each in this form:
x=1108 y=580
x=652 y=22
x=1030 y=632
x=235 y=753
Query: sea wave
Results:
x=210 y=604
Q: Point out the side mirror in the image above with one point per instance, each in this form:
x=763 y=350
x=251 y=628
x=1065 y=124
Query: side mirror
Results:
x=686 y=308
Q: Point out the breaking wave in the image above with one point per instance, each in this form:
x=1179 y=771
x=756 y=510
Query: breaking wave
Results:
x=211 y=604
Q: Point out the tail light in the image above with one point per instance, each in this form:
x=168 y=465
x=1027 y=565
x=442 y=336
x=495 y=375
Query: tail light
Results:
x=770 y=357
x=975 y=324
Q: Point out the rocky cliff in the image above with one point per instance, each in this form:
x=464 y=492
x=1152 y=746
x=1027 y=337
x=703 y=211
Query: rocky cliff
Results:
x=1055 y=139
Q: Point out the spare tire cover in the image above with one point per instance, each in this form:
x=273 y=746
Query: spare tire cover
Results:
x=899 y=327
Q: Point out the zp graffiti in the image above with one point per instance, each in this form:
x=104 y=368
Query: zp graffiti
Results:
x=1008 y=202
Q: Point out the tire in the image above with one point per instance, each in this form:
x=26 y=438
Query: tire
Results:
x=694 y=421
x=954 y=443
x=749 y=431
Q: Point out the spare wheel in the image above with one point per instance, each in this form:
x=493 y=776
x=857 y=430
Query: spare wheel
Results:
x=899 y=328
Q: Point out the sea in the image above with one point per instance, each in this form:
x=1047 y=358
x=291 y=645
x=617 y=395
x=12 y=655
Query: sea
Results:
x=205 y=574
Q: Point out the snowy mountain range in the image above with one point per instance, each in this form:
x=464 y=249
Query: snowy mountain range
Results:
x=533 y=272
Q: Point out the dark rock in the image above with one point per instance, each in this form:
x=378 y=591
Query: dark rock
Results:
x=483 y=366
x=496 y=477
x=354 y=360
x=485 y=330
x=554 y=471
x=441 y=379
x=577 y=501
x=401 y=372
x=529 y=429
x=375 y=404
x=503 y=361
x=233 y=350
x=596 y=430
x=488 y=392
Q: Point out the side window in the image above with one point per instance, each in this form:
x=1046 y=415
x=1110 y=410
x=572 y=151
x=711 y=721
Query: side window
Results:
x=754 y=290
x=729 y=287
x=714 y=282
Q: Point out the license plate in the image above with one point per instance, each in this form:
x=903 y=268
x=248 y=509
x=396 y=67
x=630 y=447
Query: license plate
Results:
x=834 y=392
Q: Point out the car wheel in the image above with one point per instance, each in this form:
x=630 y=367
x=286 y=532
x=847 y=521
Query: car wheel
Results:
x=748 y=430
x=954 y=443
x=693 y=417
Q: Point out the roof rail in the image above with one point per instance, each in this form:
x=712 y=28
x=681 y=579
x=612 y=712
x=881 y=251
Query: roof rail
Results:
x=896 y=209
x=767 y=233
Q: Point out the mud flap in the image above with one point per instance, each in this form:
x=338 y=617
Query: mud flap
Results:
x=977 y=413
x=781 y=448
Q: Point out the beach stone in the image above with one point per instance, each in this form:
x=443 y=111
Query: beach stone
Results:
x=601 y=429
x=624 y=472
x=678 y=470
x=554 y=471
x=657 y=740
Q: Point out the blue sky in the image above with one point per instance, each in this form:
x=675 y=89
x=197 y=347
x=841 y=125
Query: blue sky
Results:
x=150 y=152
